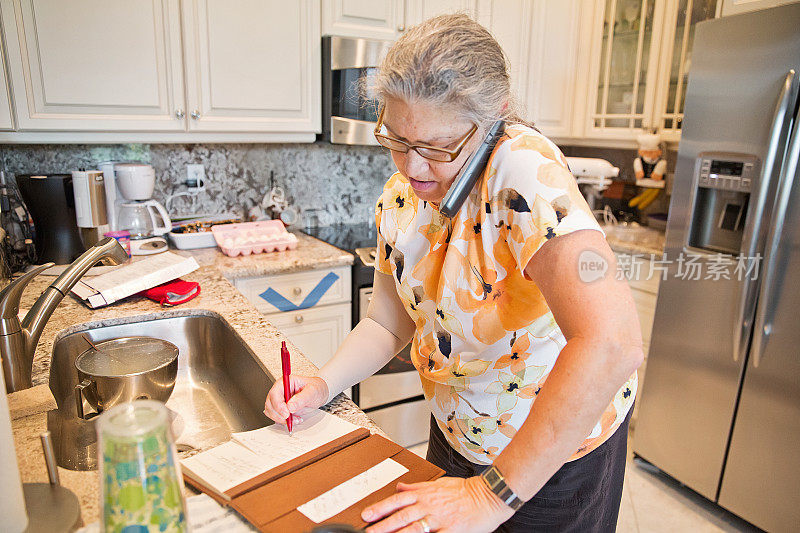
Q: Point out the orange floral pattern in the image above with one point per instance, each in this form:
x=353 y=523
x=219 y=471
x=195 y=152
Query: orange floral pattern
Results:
x=485 y=338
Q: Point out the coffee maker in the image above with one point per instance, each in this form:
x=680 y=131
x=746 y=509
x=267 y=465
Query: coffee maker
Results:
x=128 y=198
x=51 y=202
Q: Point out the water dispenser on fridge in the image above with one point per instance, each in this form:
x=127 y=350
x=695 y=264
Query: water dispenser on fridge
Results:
x=724 y=182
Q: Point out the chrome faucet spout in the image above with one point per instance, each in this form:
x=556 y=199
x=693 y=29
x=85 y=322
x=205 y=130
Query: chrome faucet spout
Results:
x=18 y=340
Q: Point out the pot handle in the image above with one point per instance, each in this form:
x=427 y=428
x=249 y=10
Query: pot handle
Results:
x=79 y=388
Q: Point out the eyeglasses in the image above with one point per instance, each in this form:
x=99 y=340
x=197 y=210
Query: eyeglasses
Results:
x=428 y=152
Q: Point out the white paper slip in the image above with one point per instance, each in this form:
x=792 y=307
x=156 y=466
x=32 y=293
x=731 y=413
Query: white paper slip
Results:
x=225 y=466
x=207 y=516
x=275 y=446
x=351 y=491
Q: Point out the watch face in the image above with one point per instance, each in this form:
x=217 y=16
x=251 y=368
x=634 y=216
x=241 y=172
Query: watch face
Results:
x=492 y=477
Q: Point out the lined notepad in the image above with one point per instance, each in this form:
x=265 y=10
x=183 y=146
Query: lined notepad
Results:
x=251 y=453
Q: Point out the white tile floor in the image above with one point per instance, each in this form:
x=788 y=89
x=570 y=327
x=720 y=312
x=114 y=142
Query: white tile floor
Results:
x=654 y=503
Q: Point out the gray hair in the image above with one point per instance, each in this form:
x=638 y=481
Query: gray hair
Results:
x=452 y=61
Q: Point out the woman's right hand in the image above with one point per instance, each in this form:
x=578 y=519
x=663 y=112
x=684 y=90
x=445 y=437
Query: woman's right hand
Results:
x=307 y=393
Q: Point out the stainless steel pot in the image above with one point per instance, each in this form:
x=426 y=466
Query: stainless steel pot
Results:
x=123 y=370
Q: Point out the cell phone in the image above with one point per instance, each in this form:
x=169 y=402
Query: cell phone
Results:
x=471 y=172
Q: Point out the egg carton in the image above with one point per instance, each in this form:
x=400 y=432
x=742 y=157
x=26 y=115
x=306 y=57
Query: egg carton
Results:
x=253 y=237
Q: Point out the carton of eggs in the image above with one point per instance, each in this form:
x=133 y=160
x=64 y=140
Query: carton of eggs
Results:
x=253 y=237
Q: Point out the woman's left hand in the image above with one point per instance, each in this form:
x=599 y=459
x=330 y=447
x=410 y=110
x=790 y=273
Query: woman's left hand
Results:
x=447 y=504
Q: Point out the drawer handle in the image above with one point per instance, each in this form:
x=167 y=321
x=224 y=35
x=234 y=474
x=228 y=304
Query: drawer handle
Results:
x=299 y=319
x=297 y=291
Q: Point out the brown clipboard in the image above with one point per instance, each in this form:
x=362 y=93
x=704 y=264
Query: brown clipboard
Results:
x=269 y=501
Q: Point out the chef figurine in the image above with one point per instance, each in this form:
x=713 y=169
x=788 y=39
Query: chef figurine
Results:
x=648 y=162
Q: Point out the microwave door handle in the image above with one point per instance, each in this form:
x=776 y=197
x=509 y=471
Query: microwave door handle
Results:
x=778 y=130
x=767 y=296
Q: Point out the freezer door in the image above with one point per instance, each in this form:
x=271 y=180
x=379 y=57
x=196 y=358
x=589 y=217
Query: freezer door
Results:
x=693 y=378
x=761 y=480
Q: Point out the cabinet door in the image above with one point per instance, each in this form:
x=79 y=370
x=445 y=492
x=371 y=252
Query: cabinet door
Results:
x=734 y=7
x=367 y=19
x=679 y=25
x=318 y=331
x=253 y=65
x=6 y=115
x=510 y=24
x=86 y=65
x=552 y=63
x=625 y=44
x=419 y=10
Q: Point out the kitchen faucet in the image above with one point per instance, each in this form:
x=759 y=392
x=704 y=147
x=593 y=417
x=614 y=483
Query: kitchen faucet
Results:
x=18 y=340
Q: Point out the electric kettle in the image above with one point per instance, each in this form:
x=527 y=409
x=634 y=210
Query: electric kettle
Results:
x=143 y=219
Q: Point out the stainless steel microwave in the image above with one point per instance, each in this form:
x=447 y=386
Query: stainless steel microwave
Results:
x=348 y=113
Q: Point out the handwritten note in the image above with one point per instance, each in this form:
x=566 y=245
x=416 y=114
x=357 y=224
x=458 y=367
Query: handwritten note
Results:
x=351 y=491
x=225 y=466
x=275 y=446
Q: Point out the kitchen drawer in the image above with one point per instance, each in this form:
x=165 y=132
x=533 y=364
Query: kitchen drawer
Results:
x=297 y=290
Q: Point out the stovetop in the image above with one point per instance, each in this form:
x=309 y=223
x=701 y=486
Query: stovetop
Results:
x=354 y=238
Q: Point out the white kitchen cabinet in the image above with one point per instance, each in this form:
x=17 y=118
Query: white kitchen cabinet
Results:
x=638 y=61
x=6 y=114
x=384 y=19
x=549 y=92
x=367 y=19
x=88 y=71
x=252 y=65
x=312 y=308
x=419 y=10
x=734 y=7
x=87 y=65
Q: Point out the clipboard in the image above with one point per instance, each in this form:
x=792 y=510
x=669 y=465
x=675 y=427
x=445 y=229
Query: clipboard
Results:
x=269 y=501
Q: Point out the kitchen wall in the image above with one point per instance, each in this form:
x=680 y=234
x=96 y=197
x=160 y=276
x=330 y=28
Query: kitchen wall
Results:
x=342 y=181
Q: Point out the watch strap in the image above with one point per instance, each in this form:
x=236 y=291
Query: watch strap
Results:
x=497 y=484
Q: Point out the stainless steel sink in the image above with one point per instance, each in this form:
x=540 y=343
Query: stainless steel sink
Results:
x=220 y=388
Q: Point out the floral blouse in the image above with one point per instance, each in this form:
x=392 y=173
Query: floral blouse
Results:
x=485 y=339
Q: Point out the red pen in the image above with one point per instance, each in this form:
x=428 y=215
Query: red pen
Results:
x=286 y=365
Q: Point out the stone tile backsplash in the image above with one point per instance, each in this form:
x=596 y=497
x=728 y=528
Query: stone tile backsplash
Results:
x=342 y=182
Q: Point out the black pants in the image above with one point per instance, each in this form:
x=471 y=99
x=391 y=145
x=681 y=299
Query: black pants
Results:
x=584 y=495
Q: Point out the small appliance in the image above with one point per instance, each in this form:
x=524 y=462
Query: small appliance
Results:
x=129 y=191
x=593 y=176
x=348 y=115
x=51 y=203
x=88 y=187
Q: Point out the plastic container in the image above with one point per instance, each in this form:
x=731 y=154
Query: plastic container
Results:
x=253 y=237
x=196 y=233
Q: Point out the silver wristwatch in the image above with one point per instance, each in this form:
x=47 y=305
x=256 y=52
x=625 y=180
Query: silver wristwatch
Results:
x=497 y=484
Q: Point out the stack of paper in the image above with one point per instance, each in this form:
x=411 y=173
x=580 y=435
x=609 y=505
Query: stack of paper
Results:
x=136 y=277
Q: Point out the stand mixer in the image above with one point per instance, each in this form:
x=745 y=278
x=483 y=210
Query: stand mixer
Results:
x=129 y=192
x=593 y=176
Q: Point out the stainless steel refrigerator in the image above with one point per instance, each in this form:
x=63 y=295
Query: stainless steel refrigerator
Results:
x=720 y=404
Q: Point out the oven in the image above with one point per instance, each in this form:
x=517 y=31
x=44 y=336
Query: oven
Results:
x=393 y=396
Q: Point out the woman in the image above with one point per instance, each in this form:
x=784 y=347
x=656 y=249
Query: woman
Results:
x=494 y=305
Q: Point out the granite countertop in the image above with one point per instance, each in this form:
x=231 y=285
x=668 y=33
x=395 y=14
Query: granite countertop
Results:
x=217 y=296
x=651 y=243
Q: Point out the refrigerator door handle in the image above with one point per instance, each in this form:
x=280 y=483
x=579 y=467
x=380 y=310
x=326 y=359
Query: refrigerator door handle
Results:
x=768 y=291
x=747 y=297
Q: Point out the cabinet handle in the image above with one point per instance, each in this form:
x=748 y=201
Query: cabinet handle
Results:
x=179 y=113
x=195 y=114
x=401 y=28
x=297 y=291
x=299 y=319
